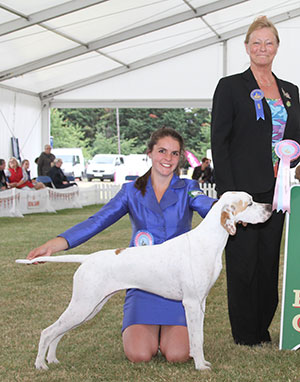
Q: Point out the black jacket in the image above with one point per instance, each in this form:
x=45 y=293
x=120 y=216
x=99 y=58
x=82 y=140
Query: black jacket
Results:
x=205 y=175
x=3 y=182
x=57 y=176
x=44 y=163
x=241 y=145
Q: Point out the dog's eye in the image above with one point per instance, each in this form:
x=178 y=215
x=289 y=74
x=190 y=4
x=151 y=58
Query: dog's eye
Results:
x=250 y=203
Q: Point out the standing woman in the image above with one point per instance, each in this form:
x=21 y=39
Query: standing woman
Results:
x=252 y=111
x=160 y=206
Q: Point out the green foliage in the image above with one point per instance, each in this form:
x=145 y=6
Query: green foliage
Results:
x=103 y=145
x=96 y=131
x=67 y=134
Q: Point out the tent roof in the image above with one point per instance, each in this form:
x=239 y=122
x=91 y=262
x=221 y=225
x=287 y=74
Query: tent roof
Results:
x=67 y=52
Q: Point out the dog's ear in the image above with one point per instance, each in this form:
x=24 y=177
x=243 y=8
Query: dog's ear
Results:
x=227 y=220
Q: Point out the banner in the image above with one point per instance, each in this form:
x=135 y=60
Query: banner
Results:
x=290 y=312
x=193 y=161
x=10 y=203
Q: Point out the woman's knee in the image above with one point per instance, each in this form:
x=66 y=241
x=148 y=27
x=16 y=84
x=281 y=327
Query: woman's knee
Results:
x=140 y=342
x=174 y=343
x=139 y=355
x=176 y=355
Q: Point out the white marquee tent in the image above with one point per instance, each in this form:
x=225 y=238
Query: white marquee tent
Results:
x=124 y=53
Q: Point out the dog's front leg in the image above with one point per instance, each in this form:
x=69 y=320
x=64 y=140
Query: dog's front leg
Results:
x=195 y=319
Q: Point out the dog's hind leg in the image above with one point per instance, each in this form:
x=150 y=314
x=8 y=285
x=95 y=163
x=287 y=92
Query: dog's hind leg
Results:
x=76 y=314
x=195 y=320
x=51 y=356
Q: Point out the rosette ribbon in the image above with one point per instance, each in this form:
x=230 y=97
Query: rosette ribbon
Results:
x=287 y=150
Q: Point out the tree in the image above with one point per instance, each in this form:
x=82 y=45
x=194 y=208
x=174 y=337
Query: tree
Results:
x=66 y=134
x=103 y=145
x=96 y=131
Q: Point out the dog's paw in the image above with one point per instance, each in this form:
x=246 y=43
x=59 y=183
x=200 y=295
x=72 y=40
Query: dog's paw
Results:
x=41 y=365
x=52 y=360
x=203 y=365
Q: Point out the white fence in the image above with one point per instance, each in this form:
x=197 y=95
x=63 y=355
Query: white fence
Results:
x=16 y=202
x=209 y=190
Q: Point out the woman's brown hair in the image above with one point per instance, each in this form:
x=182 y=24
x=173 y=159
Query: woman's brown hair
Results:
x=163 y=132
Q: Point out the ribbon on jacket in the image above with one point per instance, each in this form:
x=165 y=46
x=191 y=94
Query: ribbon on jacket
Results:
x=257 y=95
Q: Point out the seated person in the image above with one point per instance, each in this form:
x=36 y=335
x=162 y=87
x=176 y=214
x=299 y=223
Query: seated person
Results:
x=57 y=176
x=15 y=175
x=3 y=180
x=26 y=175
x=203 y=173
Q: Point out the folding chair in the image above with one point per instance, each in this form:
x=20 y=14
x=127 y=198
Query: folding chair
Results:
x=46 y=180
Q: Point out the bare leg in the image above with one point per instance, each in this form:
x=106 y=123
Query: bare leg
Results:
x=174 y=343
x=140 y=342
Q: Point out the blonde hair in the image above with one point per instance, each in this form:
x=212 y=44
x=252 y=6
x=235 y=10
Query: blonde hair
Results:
x=259 y=23
x=13 y=158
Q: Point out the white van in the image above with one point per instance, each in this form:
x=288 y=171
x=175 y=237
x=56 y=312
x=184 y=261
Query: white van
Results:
x=73 y=161
x=137 y=164
x=105 y=166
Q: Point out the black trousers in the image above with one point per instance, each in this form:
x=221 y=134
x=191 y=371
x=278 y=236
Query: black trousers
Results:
x=252 y=263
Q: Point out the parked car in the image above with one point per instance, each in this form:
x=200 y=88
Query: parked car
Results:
x=136 y=165
x=73 y=161
x=105 y=166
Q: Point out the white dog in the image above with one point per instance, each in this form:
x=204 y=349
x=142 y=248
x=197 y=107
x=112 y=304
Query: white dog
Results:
x=183 y=268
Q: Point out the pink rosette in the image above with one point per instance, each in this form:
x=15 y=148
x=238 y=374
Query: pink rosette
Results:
x=287 y=150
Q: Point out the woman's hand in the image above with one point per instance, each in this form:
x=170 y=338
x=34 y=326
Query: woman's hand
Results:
x=50 y=247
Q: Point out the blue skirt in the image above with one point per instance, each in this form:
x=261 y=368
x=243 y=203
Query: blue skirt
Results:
x=141 y=307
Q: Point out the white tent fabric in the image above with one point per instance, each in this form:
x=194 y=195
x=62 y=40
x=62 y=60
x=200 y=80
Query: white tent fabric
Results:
x=133 y=53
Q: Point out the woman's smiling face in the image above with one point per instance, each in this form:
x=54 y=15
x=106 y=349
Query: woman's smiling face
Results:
x=262 y=47
x=165 y=156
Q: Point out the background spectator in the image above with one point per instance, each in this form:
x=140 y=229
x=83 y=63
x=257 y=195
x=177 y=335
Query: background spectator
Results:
x=26 y=175
x=15 y=175
x=203 y=173
x=45 y=161
x=3 y=181
x=57 y=176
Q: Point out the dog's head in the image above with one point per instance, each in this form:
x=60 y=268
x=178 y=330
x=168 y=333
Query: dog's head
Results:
x=240 y=207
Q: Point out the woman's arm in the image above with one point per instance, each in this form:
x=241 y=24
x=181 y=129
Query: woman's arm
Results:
x=80 y=233
x=52 y=246
x=23 y=180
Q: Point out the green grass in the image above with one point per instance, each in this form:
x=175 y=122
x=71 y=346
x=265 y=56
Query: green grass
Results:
x=33 y=297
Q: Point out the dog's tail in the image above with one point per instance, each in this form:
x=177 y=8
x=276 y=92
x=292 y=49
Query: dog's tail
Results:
x=55 y=259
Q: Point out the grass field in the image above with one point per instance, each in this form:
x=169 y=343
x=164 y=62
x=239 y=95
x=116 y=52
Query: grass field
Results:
x=33 y=297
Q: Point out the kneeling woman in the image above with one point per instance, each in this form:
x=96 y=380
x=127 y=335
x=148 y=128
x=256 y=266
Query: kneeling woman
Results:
x=160 y=206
